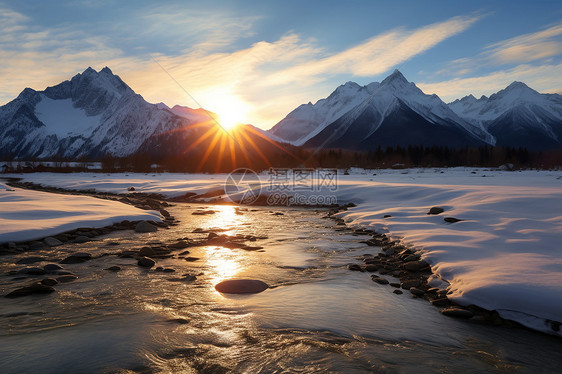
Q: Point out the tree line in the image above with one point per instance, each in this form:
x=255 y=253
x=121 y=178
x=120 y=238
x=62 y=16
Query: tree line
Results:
x=295 y=157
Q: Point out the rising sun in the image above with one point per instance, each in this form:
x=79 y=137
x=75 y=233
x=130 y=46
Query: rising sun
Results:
x=228 y=119
x=231 y=111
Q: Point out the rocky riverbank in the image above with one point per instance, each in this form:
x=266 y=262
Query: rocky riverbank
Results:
x=54 y=272
x=403 y=270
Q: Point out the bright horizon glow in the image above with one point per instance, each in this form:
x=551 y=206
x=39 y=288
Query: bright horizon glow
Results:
x=230 y=110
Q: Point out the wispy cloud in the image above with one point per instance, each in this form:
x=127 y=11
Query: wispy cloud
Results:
x=34 y=56
x=543 y=78
x=527 y=48
x=376 y=55
x=532 y=58
x=194 y=29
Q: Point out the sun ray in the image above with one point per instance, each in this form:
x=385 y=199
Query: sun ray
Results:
x=256 y=148
x=208 y=133
x=274 y=143
x=222 y=145
x=232 y=152
x=218 y=134
x=243 y=150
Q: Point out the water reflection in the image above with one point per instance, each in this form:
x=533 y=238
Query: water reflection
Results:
x=223 y=263
x=225 y=218
x=319 y=318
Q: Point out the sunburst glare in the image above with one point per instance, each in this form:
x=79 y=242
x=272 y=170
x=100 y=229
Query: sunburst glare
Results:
x=231 y=110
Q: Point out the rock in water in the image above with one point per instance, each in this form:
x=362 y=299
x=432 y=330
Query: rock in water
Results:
x=76 y=258
x=146 y=262
x=52 y=242
x=30 y=260
x=240 y=286
x=32 y=271
x=435 y=210
x=415 y=265
x=144 y=226
x=457 y=312
x=49 y=281
x=52 y=267
x=81 y=239
x=146 y=251
x=67 y=278
x=35 y=288
x=451 y=219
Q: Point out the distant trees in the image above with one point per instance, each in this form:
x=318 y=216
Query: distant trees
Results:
x=261 y=158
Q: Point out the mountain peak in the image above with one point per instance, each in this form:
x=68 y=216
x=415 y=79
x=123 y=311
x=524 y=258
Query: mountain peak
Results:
x=349 y=85
x=347 y=89
x=517 y=85
x=395 y=78
x=516 y=91
x=106 y=70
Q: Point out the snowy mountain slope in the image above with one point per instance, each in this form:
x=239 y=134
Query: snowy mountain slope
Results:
x=94 y=113
x=516 y=116
x=371 y=104
x=398 y=113
x=309 y=119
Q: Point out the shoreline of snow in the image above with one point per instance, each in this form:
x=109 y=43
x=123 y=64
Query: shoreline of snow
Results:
x=505 y=255
x=27 y=215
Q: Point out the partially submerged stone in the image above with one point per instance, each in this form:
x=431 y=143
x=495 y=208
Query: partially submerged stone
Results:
x=436 y=210
x=146 y=262
x=30 y=260
x=52 y=242
x=451 y=219
x=241 y=286
x=144 y=226
x=36 y=288
x=457 y=312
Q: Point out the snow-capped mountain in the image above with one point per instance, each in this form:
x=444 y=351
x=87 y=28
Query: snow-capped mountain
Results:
x=516 y=116
x=309 y=119
x=93 y=114
x=394 y=112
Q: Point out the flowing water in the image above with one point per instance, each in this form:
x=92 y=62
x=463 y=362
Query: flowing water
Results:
x=316 y=317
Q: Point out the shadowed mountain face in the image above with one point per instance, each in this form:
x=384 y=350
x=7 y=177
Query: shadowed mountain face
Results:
x=531 y=128
x=401 y=126
x=397 y=113
x=516 y=116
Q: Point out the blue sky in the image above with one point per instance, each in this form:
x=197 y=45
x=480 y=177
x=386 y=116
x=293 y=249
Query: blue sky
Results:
x=258 y=60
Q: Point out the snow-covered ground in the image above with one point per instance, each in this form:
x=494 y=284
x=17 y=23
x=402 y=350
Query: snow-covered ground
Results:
x=505 y=255
x=27 y=215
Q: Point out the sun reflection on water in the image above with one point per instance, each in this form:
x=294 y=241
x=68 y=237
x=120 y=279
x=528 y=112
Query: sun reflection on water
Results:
x=224 y=263
x=225 y=218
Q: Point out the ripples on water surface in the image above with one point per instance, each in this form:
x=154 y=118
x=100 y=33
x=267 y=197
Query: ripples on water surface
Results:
x=317 y=317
